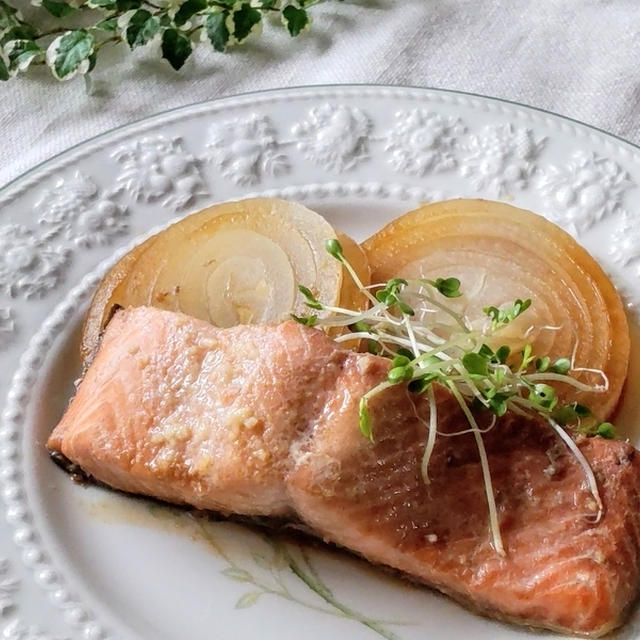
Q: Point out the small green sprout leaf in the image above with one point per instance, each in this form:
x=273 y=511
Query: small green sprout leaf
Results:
x=365 y=418
x=374 y=347
x=508 y=314
x=334 y=249
x=429 y=360
x=475 y=364
x=448 y=287
x=309 y=321
x=527 y=357
x=565 y=415
x=503 y=353
x=486 y=351
x=405 y=308
x=581 y=410
x=310 y=299
x=498 y=403
x=542 y=364
x=400 y=361
x=606 y=430
x=400 y=374
x=420 y=385
x=570 y=413
x=543 y=396
x=562 y=365
x=493 y=313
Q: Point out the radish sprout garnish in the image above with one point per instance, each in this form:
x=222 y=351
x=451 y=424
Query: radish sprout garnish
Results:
x=447 y=351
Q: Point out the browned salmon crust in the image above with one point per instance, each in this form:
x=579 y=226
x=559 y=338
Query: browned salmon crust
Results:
x=263 y=421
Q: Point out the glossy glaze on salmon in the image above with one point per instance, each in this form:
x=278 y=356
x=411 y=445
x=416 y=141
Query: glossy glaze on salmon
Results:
x=263 y=420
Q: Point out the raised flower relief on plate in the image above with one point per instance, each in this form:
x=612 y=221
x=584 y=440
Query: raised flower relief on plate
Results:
x=30 y=265
x=246 y=149
x=625 y=244
x=585 y=190
x=500 y=159
x=159 y=169
x=333 y=137
x=8 y=584
x=422 y=141
x=76 y=208
x=7 y=329
x=16 y=630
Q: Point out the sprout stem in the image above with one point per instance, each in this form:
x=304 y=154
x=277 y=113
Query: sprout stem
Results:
x=452 y=314
x=584 y=463
x=431 y=438
x=559 y=377
x=494 y=524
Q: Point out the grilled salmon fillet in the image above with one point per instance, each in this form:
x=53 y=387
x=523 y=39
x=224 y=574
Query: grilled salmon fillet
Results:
x=263 y=421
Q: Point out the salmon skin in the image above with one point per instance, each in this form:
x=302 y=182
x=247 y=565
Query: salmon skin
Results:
x=263 y=421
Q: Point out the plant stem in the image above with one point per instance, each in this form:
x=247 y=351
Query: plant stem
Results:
x=318 y=586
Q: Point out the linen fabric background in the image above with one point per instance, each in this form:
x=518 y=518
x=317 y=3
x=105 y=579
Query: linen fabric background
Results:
x=579 y=58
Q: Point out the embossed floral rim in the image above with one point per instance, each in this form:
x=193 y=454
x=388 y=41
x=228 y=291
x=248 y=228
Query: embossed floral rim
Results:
x=319 y=91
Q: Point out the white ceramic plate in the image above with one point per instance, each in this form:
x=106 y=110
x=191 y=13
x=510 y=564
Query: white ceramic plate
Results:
x=81 y=562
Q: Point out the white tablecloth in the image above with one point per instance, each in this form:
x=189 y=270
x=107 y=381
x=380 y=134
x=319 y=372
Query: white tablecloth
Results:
x=580 y=58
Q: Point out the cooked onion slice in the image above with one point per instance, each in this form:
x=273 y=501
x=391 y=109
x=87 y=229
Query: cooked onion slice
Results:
x=350 y=295
x=233 y=263
x=501 y=253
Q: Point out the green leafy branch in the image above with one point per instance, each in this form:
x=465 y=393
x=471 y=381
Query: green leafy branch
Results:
x=175 y=25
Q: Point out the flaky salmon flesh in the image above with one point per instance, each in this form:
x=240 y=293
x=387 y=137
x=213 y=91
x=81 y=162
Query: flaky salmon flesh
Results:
x=263 y=421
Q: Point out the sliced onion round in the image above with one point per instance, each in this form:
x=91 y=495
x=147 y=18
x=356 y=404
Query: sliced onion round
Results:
x=501 y=253
x=233 y=263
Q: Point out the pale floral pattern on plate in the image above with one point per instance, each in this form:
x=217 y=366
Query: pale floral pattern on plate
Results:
x=76 y=208
x=159 y=169
x=267 y=564
x=500 y=158
x=422 y=141
x=334 y=137
x=584 y=191
x=29 y=264
x=246 y=149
